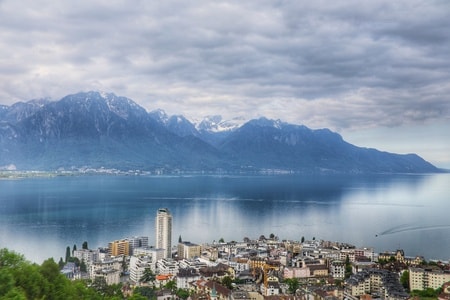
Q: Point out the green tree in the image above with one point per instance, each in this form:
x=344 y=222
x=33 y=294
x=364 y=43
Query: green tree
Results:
x=404 y=279
x=85 y=245
x=113 y=291
x=144 y=291
x=348 y=267
x=74 y=248
x=124 y=264
x=179 y=239
x=83 y=267
x=74 y=260
x=293 y=284
x=16 y=294
x=303 y=239
x=137 y=296
x=182 y=293
x=61 y=263
x=7 y=281
x=57 y=283
x=148 y=276
x=30 y=279
x=428 y=293
x=221 y=240
x=10 y=259
x=228 y=282
x=20 y=279
x=171 y=285
x=67 y=254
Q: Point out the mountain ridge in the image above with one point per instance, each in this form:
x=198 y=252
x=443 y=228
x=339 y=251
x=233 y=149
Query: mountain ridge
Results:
x=96 y=129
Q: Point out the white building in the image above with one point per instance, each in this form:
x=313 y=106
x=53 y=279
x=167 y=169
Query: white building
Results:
x=96 y=268
x=337 y=269
x=154 y=253
x=191 y=264
x=271 y=288
x=138 y=265
x=164 y=231
x=112 y=276
x=88 y=256
x=186 y=276
x=167 y=266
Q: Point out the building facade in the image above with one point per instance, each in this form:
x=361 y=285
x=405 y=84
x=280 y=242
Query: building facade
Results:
x=119 y=247
x=87 y=255
x=164 y=231
x=188 y=250
x=383 y=283
x=138 y=266
x=137 y=242
x=421 y=279
x=337 y=269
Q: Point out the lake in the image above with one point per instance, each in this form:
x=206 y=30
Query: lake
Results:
x=40 y=217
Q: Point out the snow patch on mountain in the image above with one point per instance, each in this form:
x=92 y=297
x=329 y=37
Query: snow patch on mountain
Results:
x=216 y=123
x=160 y=116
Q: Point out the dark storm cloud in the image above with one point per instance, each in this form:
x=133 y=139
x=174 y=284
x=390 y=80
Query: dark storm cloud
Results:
x=348 y=64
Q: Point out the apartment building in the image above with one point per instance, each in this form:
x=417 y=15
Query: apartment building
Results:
x=422 y=278
x=296 y=272
x=108 y=269
x=163 y=226
x=191 y=264
x=382 y=283
x=188 y=250
x=111 y=276
x=186 y=276
x=119 y=247
x=337 y=269
x=87 y=255
x=167 y=266
x=137 y=242
x=138 y=265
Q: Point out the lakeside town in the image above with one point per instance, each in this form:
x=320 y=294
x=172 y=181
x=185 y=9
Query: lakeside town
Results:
x=254 y=268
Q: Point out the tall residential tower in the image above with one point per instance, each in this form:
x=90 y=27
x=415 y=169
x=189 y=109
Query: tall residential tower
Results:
x=164 y=231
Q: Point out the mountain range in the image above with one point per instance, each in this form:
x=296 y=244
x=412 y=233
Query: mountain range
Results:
x=95 y=130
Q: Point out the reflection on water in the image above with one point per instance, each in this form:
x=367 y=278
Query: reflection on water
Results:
x=386 y=212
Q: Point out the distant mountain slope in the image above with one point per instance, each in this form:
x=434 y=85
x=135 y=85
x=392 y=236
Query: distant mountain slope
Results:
x=102 y=130
x=98 y=130
x=266 y=143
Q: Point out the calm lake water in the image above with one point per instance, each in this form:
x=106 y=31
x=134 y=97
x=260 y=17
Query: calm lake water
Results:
x=40 y=217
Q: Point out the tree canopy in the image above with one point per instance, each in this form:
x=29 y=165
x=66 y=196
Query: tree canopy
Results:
x=21 y=279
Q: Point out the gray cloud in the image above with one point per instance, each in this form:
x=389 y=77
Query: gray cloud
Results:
x=344 y=65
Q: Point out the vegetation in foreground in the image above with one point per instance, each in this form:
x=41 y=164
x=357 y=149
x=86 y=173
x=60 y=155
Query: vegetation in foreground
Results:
x=22 y=279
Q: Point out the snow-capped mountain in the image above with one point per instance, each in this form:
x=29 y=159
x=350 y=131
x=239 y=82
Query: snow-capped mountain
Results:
x=217 y=124
x=103 y=130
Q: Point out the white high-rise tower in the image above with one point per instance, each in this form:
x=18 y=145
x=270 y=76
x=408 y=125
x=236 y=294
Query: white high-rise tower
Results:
x=164 y=231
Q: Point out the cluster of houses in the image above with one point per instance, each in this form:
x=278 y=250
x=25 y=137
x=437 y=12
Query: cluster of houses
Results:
x=259 y=269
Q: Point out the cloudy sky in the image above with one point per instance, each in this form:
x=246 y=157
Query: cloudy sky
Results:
x=377 y=72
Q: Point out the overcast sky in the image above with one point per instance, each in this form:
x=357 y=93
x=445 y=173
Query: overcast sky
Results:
x=377 y=72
